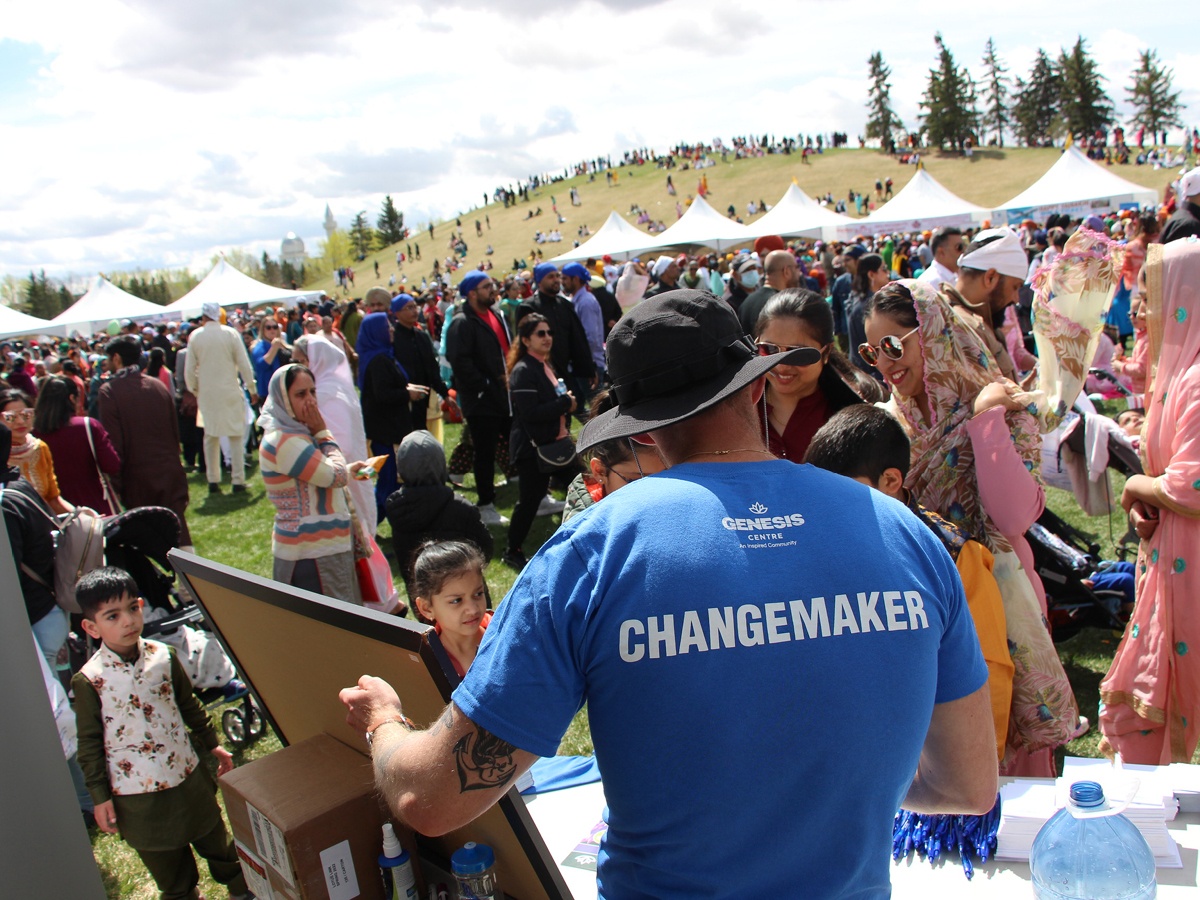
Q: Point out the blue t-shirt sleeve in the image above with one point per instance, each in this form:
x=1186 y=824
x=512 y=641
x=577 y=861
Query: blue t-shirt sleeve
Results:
x=961 y=668
x=527 y=683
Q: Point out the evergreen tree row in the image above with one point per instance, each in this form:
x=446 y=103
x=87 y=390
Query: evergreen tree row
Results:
x=1059 y=97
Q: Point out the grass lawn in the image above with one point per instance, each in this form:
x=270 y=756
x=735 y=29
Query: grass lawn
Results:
x=991 y=177
x=235 y=530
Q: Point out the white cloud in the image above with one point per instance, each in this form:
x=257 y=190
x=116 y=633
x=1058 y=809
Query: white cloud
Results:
x=159 y=130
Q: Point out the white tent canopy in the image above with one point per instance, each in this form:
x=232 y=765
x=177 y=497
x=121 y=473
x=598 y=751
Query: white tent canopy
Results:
x=226 y=286
x=1077 y=186
x=922 y=203
x=18 y=324
x=796 y=213
x=616 y=238
x=104 y=302
x=702 y=225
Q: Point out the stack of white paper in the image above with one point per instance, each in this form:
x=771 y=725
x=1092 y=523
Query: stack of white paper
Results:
x=1027 y=805
x=1185 y=781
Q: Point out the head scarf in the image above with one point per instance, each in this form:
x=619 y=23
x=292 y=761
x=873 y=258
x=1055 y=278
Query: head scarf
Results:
x=374 y=339
x=1173 y=323
x=337 y=397
x=277 y=410
x=957 y=367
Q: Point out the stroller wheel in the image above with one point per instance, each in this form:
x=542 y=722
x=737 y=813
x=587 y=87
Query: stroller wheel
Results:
x=254 y=722
x=234 y=724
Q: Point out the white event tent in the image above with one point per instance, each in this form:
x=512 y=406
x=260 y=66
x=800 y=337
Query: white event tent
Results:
x=1077 y=186
x=796 y=213
x=703 y=226
x=104 y=302
x=615 y=238
x=18 y=324
x=923 y=203
x=226 y=286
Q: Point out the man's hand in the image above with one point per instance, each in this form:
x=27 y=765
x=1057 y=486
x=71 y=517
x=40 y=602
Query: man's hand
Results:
x=224 y=760
x=106 y=817
x=370 y=702
x=417 y=391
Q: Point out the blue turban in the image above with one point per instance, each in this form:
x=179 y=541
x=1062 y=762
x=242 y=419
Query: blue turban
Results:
x=400 y=301
x=577 y=270
x=470 y=282
x=542 y=270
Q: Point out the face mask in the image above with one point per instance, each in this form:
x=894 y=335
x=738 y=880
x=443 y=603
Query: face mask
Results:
x=750 y=279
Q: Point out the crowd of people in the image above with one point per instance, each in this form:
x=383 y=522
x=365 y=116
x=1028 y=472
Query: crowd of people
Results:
x=903 y=361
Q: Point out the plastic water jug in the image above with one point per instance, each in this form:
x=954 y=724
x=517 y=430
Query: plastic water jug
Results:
x=1090 y=851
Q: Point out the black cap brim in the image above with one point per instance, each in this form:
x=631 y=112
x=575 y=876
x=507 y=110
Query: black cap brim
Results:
x=660 y=412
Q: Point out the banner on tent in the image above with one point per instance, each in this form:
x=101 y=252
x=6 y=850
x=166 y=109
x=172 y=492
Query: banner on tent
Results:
x=1080 y=210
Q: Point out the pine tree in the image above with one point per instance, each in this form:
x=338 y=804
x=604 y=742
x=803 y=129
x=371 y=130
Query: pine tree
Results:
x=65 y=299
x=1036 y=107
x=949 y=101
x=390 y=223
x=995 y=118
x=1156 y=106
x=363 y=236
x=40 y=298
x=882 y=121
x=1086 y=108
x=272 y=273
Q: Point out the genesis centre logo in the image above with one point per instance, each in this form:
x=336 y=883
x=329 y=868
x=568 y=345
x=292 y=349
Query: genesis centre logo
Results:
x=760 y=521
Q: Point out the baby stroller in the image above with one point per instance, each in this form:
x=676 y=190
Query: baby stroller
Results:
x=1066 y=559
x=138 y=542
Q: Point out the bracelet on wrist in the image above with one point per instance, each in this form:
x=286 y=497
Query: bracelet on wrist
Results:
x=399 y=720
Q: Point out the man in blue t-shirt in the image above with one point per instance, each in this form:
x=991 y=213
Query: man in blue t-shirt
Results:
x=773 y=657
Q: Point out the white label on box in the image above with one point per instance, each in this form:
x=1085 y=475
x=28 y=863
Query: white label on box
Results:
x=340 y=877
x=268 y=838
x=256 y=873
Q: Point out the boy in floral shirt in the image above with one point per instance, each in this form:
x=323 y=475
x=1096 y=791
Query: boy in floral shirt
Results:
x=134 y=707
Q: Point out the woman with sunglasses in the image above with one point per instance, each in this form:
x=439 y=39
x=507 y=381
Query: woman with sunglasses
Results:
x=975 y=448
x=30 y=454
x=611 y=465
x=540 y=409
x=800 y=399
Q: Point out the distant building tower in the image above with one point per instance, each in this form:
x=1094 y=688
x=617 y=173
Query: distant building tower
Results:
x=291 y=250
x=330 y=222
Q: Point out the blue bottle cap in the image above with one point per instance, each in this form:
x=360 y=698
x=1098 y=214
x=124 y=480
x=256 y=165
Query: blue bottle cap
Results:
x=1087 y=793
x=472 y=859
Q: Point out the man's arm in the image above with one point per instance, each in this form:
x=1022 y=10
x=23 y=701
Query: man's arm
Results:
x=957 y=771
x=437 y=779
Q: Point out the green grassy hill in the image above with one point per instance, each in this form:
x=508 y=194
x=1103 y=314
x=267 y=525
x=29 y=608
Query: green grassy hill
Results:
x=991 y=177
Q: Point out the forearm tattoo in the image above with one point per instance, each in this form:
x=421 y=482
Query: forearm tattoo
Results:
x=484 y=761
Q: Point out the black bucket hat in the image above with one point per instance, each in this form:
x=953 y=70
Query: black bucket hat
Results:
x=672 y=357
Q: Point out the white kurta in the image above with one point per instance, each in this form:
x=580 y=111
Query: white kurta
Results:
x=216 y=357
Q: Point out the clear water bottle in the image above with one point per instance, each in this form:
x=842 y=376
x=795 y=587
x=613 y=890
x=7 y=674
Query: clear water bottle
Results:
x=474 y=869
x=1084 y=852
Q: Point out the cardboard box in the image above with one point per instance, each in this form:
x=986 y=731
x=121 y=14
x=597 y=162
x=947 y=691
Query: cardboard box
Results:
x=308 y=823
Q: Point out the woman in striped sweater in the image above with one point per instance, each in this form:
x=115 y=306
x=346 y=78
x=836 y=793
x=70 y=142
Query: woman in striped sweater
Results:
x=306 y=477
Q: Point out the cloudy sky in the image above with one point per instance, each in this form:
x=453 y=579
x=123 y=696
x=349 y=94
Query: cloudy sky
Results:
x=152 y=133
